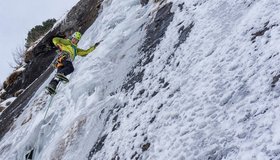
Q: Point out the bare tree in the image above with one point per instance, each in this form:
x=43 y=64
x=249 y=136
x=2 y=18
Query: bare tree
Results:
x=18 y=57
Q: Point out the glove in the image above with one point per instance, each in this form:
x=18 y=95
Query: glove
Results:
x=96 y=44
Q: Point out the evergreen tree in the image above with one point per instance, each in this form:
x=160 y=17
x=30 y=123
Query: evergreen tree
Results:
x=39 y=30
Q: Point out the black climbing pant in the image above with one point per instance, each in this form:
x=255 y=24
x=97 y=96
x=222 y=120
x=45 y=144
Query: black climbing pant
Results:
x=65 y=69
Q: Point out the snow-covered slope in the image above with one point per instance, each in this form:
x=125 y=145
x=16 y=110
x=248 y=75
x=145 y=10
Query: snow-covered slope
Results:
x=201 y=91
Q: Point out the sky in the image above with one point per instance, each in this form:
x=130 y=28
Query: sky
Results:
x=17 y=18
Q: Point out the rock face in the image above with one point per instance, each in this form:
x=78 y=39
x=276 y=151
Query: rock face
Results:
x=12 y=84
x=41 y=56
x=2 y=109
x=154 y=34
x=144 y=2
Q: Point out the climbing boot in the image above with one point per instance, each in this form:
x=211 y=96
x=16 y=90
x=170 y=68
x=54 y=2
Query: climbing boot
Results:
x=51 y=89
x=62 y=77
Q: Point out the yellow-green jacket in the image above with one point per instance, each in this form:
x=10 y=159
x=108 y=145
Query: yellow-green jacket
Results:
x=72 y=49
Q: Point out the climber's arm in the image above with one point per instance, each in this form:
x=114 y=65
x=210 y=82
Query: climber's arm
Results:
x=83 y=53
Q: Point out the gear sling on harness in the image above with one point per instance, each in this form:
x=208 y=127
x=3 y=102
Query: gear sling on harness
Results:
x=61 y=57
x=64 y=56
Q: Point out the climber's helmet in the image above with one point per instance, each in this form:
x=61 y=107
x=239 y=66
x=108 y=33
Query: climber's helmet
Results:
x=76 y=37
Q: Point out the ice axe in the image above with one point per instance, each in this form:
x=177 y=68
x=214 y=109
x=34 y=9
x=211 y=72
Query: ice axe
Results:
x=29 y=154
x=97 y=43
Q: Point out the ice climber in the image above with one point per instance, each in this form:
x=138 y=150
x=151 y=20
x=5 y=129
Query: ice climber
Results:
x=67 y=50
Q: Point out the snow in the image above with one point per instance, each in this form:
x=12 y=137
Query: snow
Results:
x=2 y=91
x=217 y=103
x=34 y=44
x=7 y=102
x=22 y=68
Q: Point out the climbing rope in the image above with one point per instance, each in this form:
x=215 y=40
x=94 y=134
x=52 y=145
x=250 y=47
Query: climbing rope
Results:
x=50 y=102
x=31 y=155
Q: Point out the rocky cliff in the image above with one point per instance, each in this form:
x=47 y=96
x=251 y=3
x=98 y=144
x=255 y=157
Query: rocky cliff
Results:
x=40 y=56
